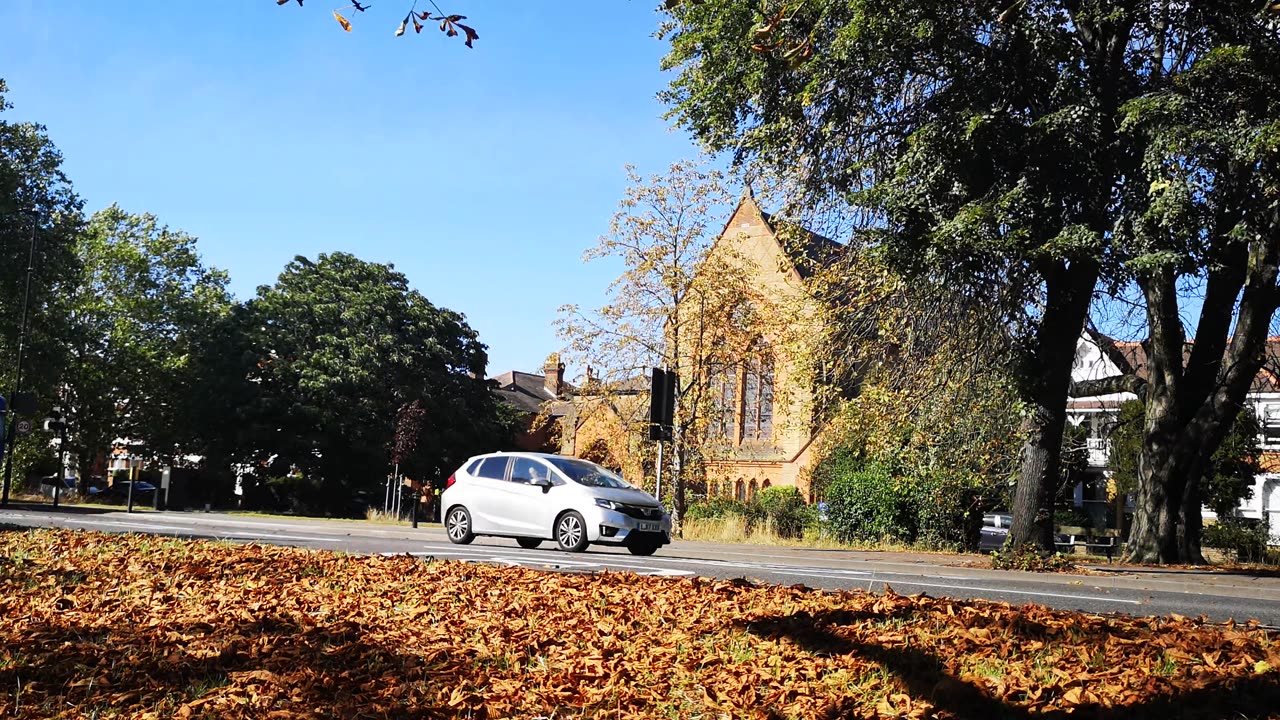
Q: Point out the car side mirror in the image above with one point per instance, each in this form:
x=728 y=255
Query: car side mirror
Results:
x=542 y=482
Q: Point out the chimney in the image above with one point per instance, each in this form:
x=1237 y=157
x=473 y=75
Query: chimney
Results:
x=553 y=375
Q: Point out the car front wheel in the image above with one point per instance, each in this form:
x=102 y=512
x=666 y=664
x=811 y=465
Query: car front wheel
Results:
x=571 y=532
x=458 y=525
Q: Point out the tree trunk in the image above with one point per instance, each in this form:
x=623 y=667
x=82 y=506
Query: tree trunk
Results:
x=1191 y=522
x=1154 y=538
x=1068 y=291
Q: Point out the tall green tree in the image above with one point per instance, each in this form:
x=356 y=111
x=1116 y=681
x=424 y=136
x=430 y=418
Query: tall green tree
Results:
x=143 y=302
x=988 y=143
x=40 y=216
x=341 y=346
x=1205 y=214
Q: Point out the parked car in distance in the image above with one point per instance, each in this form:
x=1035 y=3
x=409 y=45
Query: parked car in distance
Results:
x=50 y=483
x=534 y=497
x=143 y=492
x=995 y=528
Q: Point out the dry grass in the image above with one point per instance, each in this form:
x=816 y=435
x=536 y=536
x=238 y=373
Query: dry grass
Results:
x=732 y=528
x=374 y=515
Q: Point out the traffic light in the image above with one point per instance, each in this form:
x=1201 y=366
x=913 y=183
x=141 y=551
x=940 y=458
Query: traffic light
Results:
x=662 y=404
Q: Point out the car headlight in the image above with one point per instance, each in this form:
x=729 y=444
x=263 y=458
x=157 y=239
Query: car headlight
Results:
x=609 y=504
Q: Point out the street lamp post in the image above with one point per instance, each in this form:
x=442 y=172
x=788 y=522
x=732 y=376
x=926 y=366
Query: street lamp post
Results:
x=58 y=424
x=17 y=385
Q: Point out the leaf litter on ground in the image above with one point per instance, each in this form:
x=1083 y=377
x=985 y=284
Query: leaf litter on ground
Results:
x=133 y=626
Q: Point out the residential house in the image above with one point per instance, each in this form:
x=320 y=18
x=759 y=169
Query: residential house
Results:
x=536 y=397
x=600 y=421
x=1098 y=416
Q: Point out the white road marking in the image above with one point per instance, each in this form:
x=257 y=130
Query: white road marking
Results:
x=281 y=537
x=118 y=523
x=1102 y=598
x=188 y=528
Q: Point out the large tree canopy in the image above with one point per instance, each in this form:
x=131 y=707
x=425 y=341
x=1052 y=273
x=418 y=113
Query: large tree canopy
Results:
x=142 y=302
x=984 y=140
x=40 y=215
x=342 y=345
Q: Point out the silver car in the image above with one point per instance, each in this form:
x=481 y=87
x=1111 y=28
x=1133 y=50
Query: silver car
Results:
x=534 y=497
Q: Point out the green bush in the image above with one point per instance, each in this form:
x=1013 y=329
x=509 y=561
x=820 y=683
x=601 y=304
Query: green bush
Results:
x=1247 y=537
x=714 y=507
x=948 y=509
x=1072 y=517
x=870 y=504
x=786 y=510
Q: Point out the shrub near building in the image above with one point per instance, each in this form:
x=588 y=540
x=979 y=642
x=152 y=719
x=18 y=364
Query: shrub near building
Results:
x=870 y=502
x=780 y=512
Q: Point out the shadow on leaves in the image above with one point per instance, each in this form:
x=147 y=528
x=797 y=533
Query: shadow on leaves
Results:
x=924 y=677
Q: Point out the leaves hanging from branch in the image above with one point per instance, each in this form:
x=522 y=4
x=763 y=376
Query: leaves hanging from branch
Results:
x=450 y=25
x=346 y=25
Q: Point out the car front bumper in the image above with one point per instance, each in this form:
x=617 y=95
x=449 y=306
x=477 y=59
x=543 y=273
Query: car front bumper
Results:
x=611 y=527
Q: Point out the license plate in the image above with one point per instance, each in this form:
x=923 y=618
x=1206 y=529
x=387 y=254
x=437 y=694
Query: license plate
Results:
x=647 y=527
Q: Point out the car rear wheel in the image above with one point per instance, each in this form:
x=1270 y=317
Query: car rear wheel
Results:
x=528 y=543
x=571 y=532
x=458 y=525
x=643 y=548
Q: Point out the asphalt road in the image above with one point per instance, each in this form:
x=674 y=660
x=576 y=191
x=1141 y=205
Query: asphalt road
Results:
x=1219 y=596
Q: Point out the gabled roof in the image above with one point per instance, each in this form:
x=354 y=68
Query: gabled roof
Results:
x=520 y=400
x=806 y=250
x=1267 y=380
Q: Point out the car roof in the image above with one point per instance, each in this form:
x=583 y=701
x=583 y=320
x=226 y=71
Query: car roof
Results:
x=518 y=453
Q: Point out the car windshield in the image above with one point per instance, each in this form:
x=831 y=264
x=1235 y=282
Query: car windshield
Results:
x=588 y=473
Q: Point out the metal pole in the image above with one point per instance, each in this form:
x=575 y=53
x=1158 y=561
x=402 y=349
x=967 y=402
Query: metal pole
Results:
x=133 y=479
x=658 y=489
x=62 y=461
x=17 y=385
x=414 y=498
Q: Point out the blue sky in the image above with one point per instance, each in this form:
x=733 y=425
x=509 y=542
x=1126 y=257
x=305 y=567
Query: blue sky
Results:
x=268 y=132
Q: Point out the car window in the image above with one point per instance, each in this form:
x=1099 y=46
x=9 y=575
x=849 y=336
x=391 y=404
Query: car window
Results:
x=526 y=470
x=494 y=468
x=473 y=466
x=589 y=473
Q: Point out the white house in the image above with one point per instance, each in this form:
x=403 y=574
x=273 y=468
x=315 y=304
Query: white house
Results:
x=1099 y=414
